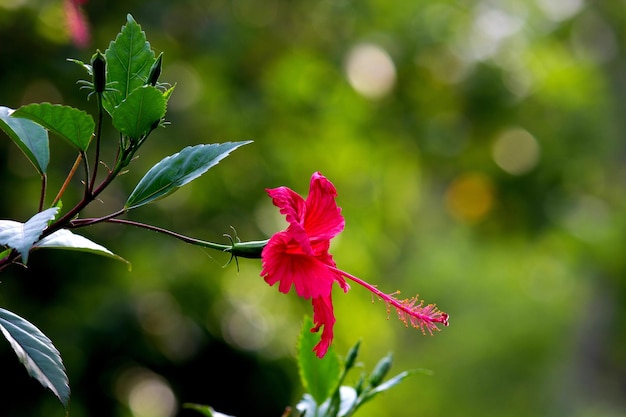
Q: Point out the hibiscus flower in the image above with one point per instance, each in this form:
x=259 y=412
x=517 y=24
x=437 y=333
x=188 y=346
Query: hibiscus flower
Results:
x=298 y=258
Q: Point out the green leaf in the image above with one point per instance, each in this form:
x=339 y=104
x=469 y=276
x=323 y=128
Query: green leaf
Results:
x=129 y=59
x=73 y=125
x=64 y=239
x=176 y=170
x=22 y=236
x=387 y=384
x=37 y=353
x=5 y=253
x=31 y=138
x=86 y=67
x=139 y=112
x=320 y=376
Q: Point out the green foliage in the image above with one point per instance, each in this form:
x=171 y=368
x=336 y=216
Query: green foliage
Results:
x=37 y=353
x=120 y=76
x=140 y=112
x=31 y=138
x=129 y=60
x=176 y=170
x=322 y=378
x=73 y=125
x=341 y=400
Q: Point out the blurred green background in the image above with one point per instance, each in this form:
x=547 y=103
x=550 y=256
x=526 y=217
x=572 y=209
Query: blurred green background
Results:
x=477 y=148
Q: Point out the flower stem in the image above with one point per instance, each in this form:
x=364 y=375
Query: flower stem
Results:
x=251 y=249
x=98 y=135
x=44 y=187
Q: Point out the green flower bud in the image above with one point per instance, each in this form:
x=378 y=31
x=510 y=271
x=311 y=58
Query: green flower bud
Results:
x=155 y=70
x=98 y=68
x=250 y=250
x=351 y=356
x=380 y=371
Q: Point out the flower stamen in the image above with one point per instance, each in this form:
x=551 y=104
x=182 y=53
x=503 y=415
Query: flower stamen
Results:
x=410 y=311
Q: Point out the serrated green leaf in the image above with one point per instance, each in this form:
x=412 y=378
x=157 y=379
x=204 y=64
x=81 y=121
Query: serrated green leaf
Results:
x=22 y=236
x=320 y=376
x=139 y=112
x=64 y=239
x=31 y=138
x=176 y=170
x=37 y=353
x=73 y=125
x=129 y=59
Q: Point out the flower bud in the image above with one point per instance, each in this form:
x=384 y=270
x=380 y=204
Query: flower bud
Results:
x=351 y=356
x=381 y=369
x=250 y=250
x=98 y=68
x=155 y=70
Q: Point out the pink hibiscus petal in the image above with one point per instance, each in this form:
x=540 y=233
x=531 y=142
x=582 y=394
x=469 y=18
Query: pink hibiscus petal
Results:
x=310 y=276
x=293 y=206
x=322 y=219
x=77 y=22
x=323 y=316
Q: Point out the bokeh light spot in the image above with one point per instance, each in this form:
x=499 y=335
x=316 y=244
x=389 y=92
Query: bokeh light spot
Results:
x=490 y=29
x=516 y=151
x=470 y=197
x=146 y=393
x=589 y=218
x=561 y=9
x=246 y=326
x=370 y=70
x=159 y=315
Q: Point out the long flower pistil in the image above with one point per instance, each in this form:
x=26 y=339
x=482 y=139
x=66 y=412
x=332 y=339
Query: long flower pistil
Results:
x=410 y=310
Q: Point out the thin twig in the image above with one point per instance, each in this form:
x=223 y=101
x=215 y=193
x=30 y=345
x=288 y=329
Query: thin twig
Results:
x=79 y=158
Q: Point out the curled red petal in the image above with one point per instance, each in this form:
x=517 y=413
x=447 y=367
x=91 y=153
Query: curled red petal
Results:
x=323 y=316
x=322 y=219
x=293 y=206
x=290 y=203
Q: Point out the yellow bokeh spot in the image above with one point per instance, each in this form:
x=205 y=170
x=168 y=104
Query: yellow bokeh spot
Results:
x=470 y=197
